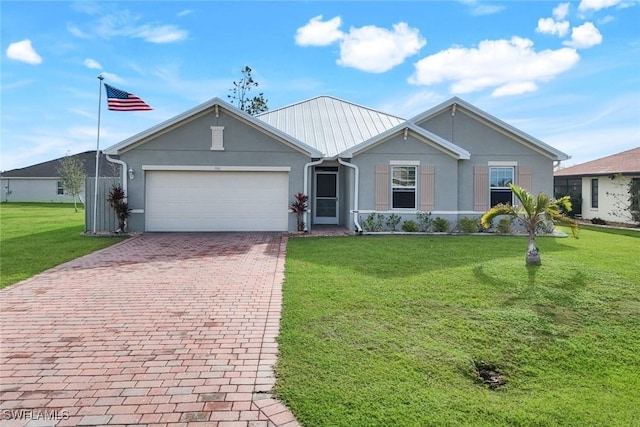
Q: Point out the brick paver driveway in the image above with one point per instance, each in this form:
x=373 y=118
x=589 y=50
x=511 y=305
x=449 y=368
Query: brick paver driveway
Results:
x=162 y=329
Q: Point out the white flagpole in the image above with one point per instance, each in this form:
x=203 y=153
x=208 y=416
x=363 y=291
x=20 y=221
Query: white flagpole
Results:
x=95 y=188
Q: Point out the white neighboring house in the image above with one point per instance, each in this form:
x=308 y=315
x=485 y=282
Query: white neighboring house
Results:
x=605 y=185
x=40 y=182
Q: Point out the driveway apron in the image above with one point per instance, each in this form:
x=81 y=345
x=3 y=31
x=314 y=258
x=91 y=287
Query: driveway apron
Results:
x=162 y=329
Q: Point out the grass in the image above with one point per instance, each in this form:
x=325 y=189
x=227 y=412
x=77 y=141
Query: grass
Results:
x=387 y=330
x=37 y=236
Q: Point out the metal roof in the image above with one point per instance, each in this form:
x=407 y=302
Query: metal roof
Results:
x=330 y=125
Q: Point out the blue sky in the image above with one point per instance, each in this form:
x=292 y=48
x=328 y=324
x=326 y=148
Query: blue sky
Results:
x=567 y=73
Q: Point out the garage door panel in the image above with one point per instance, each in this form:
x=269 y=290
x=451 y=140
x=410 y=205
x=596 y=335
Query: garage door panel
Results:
x=216 y=201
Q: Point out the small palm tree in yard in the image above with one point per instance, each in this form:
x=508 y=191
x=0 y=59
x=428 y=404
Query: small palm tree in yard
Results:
x=533 y=213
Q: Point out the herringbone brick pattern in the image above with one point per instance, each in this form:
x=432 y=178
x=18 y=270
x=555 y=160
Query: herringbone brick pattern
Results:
x=160 y=330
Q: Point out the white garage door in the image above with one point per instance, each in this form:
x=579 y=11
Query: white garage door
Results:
x=216 y=201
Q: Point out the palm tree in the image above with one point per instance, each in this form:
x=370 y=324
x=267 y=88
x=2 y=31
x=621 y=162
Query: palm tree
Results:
x=533 y=213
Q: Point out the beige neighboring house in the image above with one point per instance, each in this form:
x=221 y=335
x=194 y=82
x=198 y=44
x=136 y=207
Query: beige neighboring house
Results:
x=41 y=183
x=603 y=186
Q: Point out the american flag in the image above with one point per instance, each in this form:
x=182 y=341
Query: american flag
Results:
x=119 y=100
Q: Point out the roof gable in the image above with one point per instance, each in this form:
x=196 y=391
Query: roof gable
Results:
x=330 y=125
x=421 y=134
x=626 y=162
x=205 y=108
x=50 y=168
x=457 y=104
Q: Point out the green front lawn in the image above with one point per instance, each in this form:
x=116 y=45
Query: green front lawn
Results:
x=387 y=331
x=37 y=236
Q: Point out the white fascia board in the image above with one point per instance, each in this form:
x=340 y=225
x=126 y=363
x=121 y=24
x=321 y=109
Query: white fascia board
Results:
x=555 y=154
x=435 y=110
x=459 y=151
x=216 y=168
x=426 y=136
x=159 y=128
x=194 y=113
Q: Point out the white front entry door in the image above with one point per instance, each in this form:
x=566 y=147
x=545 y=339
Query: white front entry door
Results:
x=326 y=198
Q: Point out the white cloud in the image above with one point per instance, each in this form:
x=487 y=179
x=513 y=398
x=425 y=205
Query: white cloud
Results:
x=77 y=32
x=550 y=26
x=319 y=33
x=95 y=65
x=123 y=23
x=606 y=20
x=561 y=11
x=597 y=4
x=509 y=66
x=478 y=9
x=111 y=77
x=411 y=103
x=160 y=34
x=556 y=25
x=92 y=64
x=184 y=12
x=369 y=48
x=584 y=36
x=515 y=88
x=377 y=50
x=23 y=51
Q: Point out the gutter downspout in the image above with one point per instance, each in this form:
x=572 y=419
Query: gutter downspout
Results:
x=306 y=189
x=356 y=179
x=124 y=173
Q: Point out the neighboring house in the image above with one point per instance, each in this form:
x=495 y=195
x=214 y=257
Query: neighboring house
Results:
x=215 y=168
x=602 y=187
x=40 y=182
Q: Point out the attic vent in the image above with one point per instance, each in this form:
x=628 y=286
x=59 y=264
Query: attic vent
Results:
x=217 y=143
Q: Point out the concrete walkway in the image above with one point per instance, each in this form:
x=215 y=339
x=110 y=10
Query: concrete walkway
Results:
x=160 y=330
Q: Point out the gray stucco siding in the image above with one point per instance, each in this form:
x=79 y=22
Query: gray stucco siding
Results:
x=475 y=136
x=488 y=145
x=397 y=149
x=541 y=175
x=190 y=145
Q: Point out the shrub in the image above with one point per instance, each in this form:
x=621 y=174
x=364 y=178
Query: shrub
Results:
x=373 y=222
x=117 y=200
x=440 y=225
x=546 y=227
x=392 y=221
x=299 y=207
x=424 y=220
x=504 y=225
x=469 y=225
x=410 y=226
x=598 y=221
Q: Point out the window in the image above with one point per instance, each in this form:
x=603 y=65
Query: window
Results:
x=594 y=193
x=567 y=187
x=60 y=188
x=403 y=187
x=499 y=180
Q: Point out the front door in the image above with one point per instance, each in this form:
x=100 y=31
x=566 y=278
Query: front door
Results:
x=326 y=200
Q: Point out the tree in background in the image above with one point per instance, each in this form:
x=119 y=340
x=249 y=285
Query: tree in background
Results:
x=242 y=99
x=71 y=176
